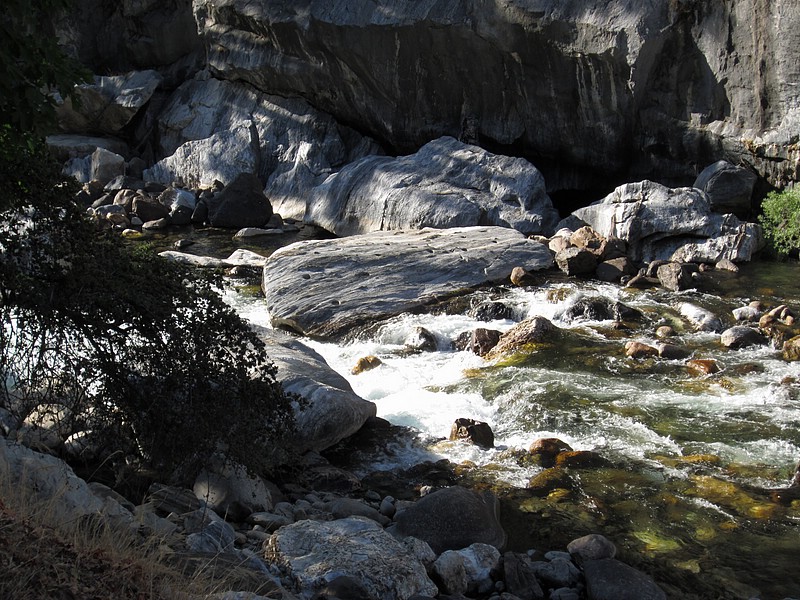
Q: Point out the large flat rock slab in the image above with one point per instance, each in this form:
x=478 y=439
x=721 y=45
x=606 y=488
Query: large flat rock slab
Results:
x=324 y=288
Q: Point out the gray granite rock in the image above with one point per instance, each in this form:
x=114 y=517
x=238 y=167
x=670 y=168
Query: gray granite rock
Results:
x=327 y=287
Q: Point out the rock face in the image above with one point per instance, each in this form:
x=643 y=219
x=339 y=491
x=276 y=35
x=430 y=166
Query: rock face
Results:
x=587 y=86
x=327 y=287
x=445 y=184
x=660 y=223
x=355 y=547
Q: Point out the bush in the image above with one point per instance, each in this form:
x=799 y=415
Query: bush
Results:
x=141 y=352
x=780 y=218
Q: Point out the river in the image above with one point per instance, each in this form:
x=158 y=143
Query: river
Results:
x=689 y=457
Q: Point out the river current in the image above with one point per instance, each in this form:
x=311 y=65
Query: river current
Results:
x=691 y=457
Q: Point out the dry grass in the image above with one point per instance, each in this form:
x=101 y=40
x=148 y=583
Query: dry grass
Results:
x=42 y=559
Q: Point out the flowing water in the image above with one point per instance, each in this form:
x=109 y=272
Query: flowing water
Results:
x=690 y=458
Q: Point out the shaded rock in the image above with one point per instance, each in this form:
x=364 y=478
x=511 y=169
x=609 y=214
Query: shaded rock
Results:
x=452 y=518
x=536 y=330
x=557 y=573
x=356 y=548
x=241 y=204
x=741 y=336
x=109 y=103
x=520 y=277
x=334 y=411
x=576 y=261
x=317 y=287
x=467 y=571
x=229 y=490
x=547 y=449
x=675 y=276
x=422 y=340
x=493 y=311
x=148 y=209
x=472 y=431
x=672 y=352
x=609 y=579
x=729 y=188
x=592 y=547
x=342 y=508
x=550 y=479
x=68 y=146
x=520 y=578
x=483 y=340
x=615 y=269
x=445 y=184
x=597 y=308
x=579 y=459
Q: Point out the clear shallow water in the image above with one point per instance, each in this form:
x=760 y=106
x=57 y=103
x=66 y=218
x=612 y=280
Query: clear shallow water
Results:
x=689 y=456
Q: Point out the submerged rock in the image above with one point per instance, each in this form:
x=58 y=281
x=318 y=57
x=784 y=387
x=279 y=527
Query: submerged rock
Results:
x=327 y=287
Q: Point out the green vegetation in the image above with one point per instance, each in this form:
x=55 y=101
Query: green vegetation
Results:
x=780 y=218
x=139 y=353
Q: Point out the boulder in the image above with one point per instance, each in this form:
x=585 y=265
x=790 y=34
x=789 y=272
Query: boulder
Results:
x=700 y=318
x=675 y=276
x=317 y=287
x=108 y=104
x=366 y=363
x=609 y=579
x=314 y=552
x=634 y=349
x=101 y=165
x=148 y=209
x=214 y=130
x=66 y=146
x=241 y=204
x=729 y=188
x=536 y=330
x=445 y=184
x=451 y=519
x=472 y=431
x=482 y=340
x=791 y=349
x=467 y=571
x=229 y=490
x=615 y=269
x=660 y=223
x=557 y=573
x=547 y=449
x=333 y=411
x=741 y=336
x=576 y=261
x=592 y=547
x=597 y=308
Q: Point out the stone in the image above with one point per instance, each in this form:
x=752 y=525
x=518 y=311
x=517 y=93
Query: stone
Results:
x=445 y=184
x=241 y=203
x=610 y=579
x=549 y=480
x=702 y=366
x=269 y=521
x=634 y=349
x=317 y=287
x=452 y=518
x=592 y=547
x=483 y=340
x=366 y=363
x=576 y=261
x=229 y=490
x=597 y=308
x=66 y=146
x=746 y=313
x=729 y=188
x=700 y=318
x=311 y=551
x=556 y=573
x=520 y=578
x=675 y=276
x=660 y=223
x=547 y=449
x=579 y=459
x=536 y=330
x=334 y=411
x=148 y=209
x=672 y=352
x=421 y=340
x=467 y=571
x=791 y=349
x=474 y=432
x=665 y=331
x=742 y=336
x=109 y=103
x=493 y=311
x=520 y=277
x=217 y=537
x=615 y=269
x=342 y=508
